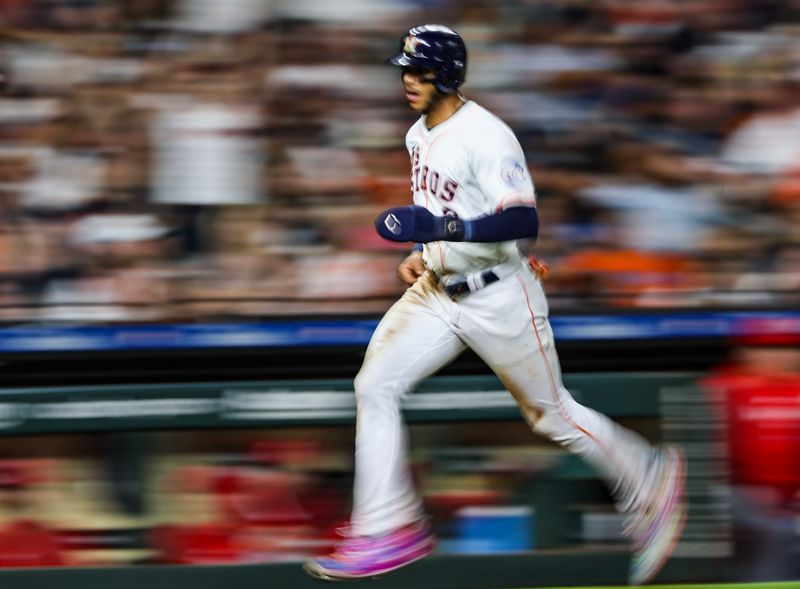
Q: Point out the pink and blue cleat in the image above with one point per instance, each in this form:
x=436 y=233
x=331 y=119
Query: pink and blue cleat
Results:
x=658 y=529
x=358 y=557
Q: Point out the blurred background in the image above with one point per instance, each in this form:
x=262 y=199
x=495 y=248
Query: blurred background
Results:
x=177 y=159
x=217 y=165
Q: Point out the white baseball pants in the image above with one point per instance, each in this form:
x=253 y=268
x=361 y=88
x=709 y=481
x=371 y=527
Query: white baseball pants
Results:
x=507 y=325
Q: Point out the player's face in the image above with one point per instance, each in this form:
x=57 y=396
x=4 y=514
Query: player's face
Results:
x=421 y=94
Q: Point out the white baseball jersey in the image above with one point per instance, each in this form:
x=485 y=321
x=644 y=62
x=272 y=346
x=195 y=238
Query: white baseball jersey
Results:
x=469 y=165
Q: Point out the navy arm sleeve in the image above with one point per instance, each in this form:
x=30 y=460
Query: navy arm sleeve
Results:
x=512 y=223
x=415 y=223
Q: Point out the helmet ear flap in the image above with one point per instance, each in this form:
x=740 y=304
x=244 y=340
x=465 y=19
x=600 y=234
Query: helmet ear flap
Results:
x=444 y=86
x=447 y=79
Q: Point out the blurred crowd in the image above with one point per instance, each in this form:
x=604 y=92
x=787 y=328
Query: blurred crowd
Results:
x=183 y=159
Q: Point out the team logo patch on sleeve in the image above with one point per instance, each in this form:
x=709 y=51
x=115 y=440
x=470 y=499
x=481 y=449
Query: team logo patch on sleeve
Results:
x=513 y=172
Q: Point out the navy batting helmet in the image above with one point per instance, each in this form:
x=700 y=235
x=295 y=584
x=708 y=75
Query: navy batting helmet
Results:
x=436 y=47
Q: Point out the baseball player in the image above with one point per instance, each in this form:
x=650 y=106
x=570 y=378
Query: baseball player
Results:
x=470 y=286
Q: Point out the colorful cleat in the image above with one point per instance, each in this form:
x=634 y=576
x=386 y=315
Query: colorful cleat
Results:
x=358 y=557
x=657 y=531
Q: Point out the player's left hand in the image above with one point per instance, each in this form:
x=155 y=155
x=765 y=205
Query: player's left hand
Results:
x=411 y=268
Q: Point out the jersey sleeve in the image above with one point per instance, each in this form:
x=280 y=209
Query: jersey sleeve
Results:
x=501 y=172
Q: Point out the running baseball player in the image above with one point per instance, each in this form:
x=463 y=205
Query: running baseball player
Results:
x=470 y=286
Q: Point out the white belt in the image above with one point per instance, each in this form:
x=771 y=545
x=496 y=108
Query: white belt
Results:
x=461 y=284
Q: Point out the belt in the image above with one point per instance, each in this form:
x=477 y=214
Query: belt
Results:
x=470 y=283
x=463 y=284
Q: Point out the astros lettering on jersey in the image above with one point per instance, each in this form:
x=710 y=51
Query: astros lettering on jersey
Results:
x=470 y=165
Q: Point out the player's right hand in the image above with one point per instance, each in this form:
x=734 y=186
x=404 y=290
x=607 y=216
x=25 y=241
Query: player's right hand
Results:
x=411 y=268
